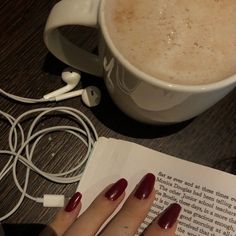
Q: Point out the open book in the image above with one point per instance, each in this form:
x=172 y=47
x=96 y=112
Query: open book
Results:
x=207 y=196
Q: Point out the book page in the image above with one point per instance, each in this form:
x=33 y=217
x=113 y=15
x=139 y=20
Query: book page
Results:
x=207 y=196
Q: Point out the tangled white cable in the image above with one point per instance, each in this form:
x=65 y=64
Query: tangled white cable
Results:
x=24 y=151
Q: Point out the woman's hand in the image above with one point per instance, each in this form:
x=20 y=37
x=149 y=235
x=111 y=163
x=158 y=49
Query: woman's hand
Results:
x=127 y=220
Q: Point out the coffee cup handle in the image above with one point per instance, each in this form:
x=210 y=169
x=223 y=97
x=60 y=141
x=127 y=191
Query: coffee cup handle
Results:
x=72 y=12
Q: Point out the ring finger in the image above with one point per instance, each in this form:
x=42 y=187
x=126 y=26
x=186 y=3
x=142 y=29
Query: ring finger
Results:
x=102 y=207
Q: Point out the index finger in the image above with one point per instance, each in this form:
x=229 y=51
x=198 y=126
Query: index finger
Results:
x=166 y=222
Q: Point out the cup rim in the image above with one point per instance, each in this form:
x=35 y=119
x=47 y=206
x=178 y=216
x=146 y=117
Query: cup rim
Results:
x=150 y=79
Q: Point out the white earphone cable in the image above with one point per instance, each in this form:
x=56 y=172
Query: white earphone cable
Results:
x=25 y=100
x=23 y=152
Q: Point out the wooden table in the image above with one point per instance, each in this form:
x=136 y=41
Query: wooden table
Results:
x=28 y=69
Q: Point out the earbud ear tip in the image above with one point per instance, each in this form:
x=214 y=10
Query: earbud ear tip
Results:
x=91 y=96
x=71 y=76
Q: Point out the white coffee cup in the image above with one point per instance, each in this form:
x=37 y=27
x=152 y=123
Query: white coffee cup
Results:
x=137 y=94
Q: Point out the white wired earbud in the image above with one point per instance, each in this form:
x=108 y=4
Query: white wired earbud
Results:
x=71 y=77
x=23 y=142
x=86 y=132
x=91 y=96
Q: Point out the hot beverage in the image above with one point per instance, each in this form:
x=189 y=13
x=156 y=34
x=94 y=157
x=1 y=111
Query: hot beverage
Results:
x=186 y=42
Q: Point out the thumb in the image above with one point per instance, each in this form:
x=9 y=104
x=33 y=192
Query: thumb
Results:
x=64 y=218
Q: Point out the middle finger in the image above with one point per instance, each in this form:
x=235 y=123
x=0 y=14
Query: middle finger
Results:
x=135 y=209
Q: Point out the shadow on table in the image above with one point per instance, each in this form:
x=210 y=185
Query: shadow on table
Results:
x=227 y=165
x=120 y=123
x=113 y=118
x=25 y=230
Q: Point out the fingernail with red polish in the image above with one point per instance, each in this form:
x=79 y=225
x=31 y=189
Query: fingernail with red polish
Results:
x=116 y=189
x=145 y=187
x=169 y=216
x=74 y=202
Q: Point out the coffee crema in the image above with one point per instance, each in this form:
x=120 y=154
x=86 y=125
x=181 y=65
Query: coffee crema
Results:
x=190 y=42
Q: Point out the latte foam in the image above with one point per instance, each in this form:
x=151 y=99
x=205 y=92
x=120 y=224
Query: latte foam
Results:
x=187 y=42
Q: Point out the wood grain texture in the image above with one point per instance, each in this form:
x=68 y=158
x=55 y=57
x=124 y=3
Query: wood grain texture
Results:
x=28 y=69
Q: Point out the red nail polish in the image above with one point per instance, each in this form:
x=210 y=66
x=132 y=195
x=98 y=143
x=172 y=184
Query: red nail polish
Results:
x=74 y=202
x=169 y=216
x=145 y=187
x=116 y=189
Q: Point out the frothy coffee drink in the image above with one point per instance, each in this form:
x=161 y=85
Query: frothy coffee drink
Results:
x=179 y=41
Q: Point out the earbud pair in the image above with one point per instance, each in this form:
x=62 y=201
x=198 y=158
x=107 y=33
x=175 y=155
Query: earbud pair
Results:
x=91 y=96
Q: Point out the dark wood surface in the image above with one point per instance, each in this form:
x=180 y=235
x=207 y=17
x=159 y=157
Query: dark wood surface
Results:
x=28 y=69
